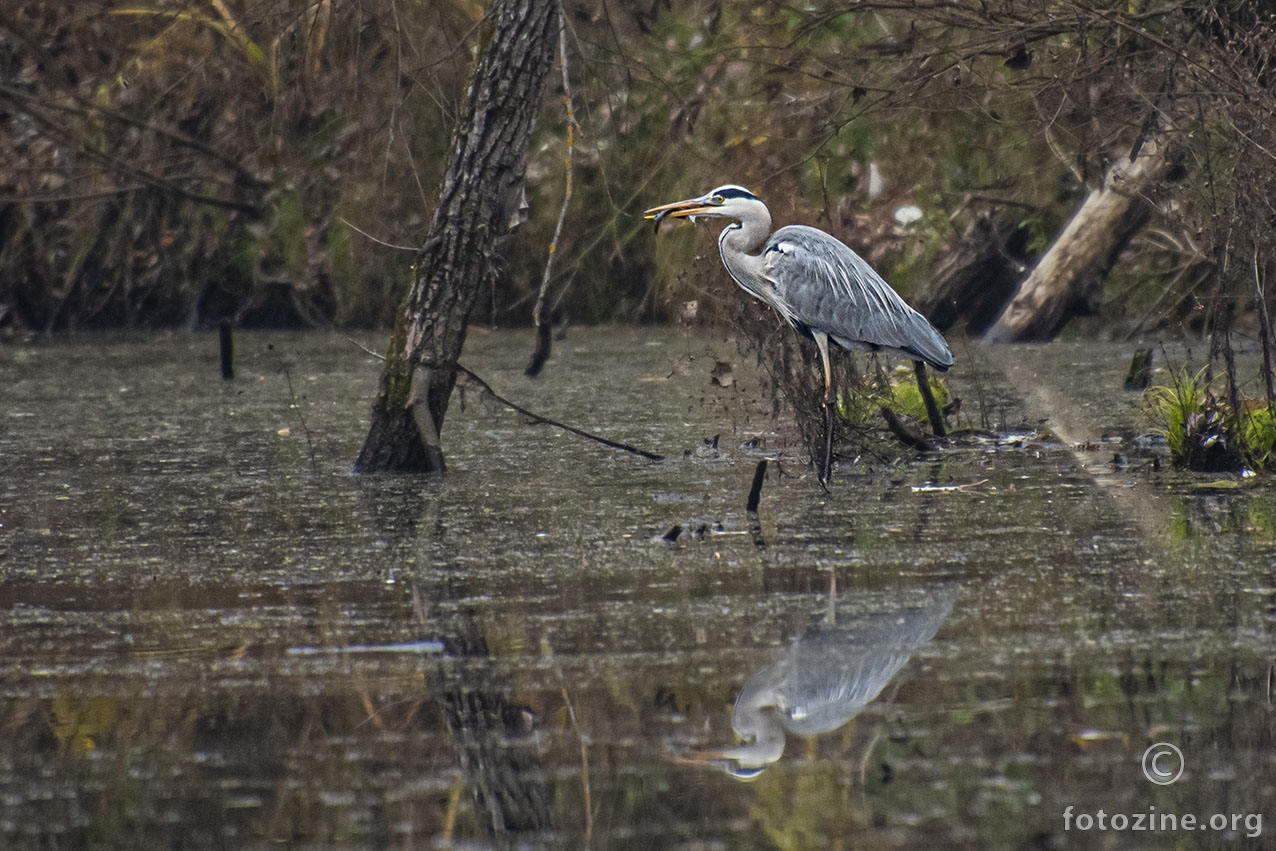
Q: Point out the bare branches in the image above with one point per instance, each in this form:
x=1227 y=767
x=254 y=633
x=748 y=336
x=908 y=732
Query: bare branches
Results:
x=55 y=129
x=540 y=317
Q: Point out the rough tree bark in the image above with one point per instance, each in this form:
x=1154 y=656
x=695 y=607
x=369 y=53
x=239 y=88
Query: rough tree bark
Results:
x=481 y=194
x=1070 y=274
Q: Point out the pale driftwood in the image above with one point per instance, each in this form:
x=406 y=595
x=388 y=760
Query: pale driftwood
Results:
x=1070 y=273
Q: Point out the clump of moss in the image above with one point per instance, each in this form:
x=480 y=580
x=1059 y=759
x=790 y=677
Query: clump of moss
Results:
x=897 y=391
x=1204 y=432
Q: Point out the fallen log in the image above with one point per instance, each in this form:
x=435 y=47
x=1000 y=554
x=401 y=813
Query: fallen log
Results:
x=1068 y=279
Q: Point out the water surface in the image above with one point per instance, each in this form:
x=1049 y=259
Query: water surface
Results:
x=213 y=636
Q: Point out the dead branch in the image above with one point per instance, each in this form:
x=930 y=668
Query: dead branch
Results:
x=541 y=317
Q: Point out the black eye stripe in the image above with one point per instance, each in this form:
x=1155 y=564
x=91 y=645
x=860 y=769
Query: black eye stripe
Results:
x=734 y=192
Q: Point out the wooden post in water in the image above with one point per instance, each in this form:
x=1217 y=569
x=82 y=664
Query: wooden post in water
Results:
x=933 y=413
x=1140 y=375
x=227 y=345
x=755 y=490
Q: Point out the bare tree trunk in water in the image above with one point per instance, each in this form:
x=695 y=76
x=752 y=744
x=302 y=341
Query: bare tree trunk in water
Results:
x=481 y=195
x=1070 y=274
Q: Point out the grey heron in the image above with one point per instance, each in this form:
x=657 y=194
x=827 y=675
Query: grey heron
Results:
x=822 y=288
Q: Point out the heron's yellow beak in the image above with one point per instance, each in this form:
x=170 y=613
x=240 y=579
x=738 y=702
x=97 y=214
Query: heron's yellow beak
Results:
x=681 y=209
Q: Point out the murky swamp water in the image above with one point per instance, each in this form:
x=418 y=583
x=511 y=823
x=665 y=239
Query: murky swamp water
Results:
x=213 y=636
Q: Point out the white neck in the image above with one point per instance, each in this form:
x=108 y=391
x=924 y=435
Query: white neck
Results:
x=748 y=234
x=737 y=243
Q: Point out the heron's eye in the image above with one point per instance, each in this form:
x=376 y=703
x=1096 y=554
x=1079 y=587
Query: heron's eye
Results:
x=719 y=200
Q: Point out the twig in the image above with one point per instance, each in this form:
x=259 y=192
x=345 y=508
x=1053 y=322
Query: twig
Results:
x=361 y=347
x=933 y=488
x=1264 y=330
x=292 y=395
x=547 y=421
x=487 y=388
x=584 y=767
x=984 y=421
x=86 y=109
x=539 y=313
x=54 y=130
x=398 y=97
x=907 y=436
x=364 y=233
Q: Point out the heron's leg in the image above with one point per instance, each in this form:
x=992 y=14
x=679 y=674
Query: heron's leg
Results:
x=933 y=413
x=826 y=463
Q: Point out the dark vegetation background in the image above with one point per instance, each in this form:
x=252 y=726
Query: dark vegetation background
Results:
x=173 y=162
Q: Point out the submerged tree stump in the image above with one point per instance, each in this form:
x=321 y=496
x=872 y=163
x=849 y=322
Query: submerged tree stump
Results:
x=481 y=196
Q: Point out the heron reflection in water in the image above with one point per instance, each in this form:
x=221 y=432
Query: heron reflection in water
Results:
x=823 y=680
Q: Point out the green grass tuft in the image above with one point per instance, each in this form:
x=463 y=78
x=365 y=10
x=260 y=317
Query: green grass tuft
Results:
x=1204 y=433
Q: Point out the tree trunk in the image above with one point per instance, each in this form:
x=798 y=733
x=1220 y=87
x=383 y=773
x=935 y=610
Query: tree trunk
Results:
x=975 y=279
x=481 y=195
x=1069 y=276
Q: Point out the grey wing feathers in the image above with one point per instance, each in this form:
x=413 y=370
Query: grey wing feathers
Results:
x=830 y=288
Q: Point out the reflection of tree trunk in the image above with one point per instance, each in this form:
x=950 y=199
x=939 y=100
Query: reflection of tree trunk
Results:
x=1069 y=277
x=480 y=197
x=495 y=741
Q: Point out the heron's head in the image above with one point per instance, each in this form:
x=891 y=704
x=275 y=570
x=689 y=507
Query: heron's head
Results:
x=727 y=202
